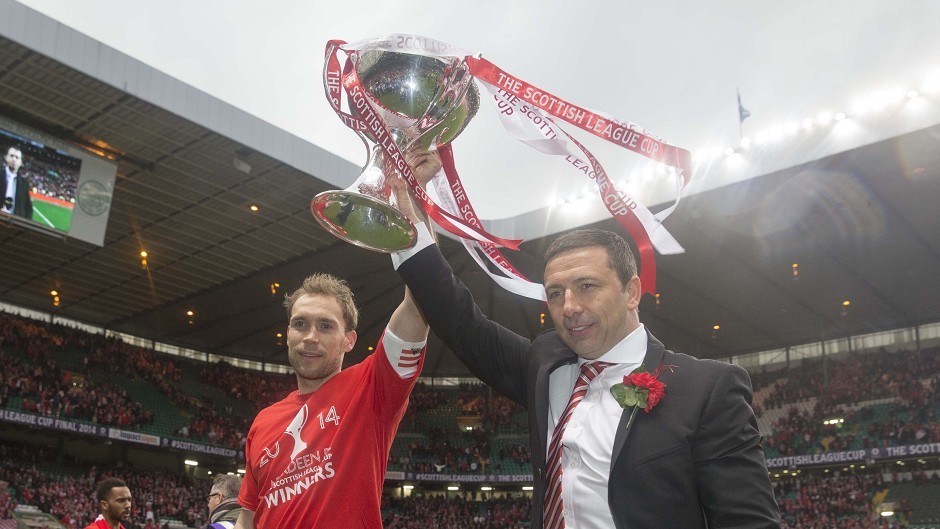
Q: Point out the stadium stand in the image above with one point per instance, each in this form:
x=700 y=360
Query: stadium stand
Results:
x=881 y=399
x=29 y=476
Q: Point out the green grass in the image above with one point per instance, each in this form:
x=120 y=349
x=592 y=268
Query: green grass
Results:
x=52 y=215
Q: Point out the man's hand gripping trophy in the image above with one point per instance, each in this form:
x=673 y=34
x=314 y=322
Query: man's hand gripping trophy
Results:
x=425 y=165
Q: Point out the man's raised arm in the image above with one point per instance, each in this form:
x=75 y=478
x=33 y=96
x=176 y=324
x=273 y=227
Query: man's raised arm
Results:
x=407 y=322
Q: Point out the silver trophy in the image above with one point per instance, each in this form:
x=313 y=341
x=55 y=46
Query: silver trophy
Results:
x=423 y=101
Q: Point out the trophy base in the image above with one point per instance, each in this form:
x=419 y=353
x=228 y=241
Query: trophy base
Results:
x=364 y=221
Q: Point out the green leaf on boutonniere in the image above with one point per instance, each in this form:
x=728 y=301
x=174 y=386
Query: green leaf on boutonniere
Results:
x=641 y=396
x=619 y=391
x=626 y=395
x=629 y=399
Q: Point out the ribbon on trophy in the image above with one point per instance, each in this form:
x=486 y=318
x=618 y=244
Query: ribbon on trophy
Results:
x=454 y=198
x=395 y=158
x=645 y=228
x=526 y=112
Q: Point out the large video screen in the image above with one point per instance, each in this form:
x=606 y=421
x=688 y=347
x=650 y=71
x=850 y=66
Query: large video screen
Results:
x=52 y=186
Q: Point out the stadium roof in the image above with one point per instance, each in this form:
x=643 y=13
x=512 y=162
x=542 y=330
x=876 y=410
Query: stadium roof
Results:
x=860 y=223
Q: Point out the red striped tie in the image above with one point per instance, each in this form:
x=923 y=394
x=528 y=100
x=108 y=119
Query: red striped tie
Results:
x=553 y=503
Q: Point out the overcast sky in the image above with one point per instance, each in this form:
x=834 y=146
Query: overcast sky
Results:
x=672 y=67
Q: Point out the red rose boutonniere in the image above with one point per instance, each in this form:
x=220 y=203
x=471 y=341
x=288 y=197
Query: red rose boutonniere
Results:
x=640 y=389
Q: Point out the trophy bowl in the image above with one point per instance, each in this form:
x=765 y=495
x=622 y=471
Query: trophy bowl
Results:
x=424 y=101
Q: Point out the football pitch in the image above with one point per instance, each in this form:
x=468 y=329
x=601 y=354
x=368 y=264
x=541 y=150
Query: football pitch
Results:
x=51 y=212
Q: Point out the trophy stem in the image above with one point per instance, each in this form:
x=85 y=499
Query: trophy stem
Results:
x=364 y=213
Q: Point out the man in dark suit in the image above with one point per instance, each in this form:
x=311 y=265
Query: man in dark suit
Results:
x=16 y=199
x=691 y=457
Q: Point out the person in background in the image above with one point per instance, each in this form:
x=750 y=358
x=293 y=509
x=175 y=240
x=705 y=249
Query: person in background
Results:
x=15 y=187
x=223 y=502
x=114 y=504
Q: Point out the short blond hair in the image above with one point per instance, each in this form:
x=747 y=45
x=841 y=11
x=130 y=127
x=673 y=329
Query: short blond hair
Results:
x=327 y=285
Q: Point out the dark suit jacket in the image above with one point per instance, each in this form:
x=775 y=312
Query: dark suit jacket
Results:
x=23 y=205
x=694 y=461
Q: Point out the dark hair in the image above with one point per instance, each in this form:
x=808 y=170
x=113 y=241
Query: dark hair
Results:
x=620 y=257
x=104 y=487
x=327 y=285
x=12 y=147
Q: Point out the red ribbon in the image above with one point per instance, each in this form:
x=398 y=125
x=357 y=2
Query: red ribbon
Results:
x=394 y=159
x=466 y=208
x=620 y=134
x=623 y=214
x=624 y=135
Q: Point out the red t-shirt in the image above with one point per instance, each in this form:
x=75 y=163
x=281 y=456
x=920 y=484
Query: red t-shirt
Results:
x=101 y=523
x=319 y=459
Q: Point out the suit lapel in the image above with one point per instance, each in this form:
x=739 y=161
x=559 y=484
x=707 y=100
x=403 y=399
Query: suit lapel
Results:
x=652 y=359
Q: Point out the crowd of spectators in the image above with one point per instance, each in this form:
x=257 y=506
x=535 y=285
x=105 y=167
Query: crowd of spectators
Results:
x=904 y=386
x=825 y=501
x=260 y=389
x=471 y=398
x=219 y=427
x=444 y=451
x=114 y=357
x=461 y=512
x=66 y=489
x=209 y=423
x=424 y=397
x=518 y=452
x=68 y=498
x=45 y=389
x=496 y=411
x=451 y=447
x=849 y=379
x=57 y=180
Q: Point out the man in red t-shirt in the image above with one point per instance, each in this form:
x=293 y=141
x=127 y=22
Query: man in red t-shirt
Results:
x=114 y=501
x=318 y=457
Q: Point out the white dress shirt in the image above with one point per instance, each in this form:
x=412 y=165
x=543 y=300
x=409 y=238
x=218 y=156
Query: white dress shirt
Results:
x=588 y=441
x=11 y=180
